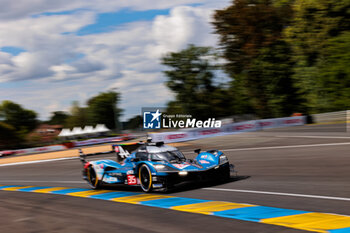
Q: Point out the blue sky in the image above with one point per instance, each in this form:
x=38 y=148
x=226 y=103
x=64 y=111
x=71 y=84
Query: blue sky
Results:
x=12 y=50
x=107 y=22
x=53 y=53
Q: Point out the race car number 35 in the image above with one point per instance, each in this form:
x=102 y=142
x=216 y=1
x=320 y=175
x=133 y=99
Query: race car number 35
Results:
x=132 y=180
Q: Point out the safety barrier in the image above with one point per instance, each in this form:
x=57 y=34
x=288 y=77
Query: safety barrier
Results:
x=234 y=128
x=40 y=149
x=332 y=117
x=101 y=140
x=64 y=146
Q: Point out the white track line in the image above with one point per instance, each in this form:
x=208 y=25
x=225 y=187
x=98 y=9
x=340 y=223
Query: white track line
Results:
x=44 y=161
x=188 y=152
x=280 y=194
x=287 y=147
x=36 y=161
x=283 y=147
x=42 y=181
x=315 y=136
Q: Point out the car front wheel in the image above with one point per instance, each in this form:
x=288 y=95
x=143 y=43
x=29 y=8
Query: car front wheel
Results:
x=145 y=177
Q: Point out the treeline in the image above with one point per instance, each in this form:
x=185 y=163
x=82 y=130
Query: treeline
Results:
x=282 y=56
x=17 y=123
x=100 y=109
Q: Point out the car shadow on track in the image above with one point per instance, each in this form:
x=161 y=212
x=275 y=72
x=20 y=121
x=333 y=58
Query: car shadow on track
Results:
x=198 y=185
x=182 y=187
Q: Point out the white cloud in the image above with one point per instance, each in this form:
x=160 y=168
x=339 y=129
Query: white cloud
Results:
x=127 y=58
x=184 y=25
x=45 y=45
x=23 y=8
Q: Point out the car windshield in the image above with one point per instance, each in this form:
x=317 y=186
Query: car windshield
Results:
x=170 y=156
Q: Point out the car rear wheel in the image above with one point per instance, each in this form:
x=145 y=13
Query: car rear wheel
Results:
x=92 y=178
x=145 y=177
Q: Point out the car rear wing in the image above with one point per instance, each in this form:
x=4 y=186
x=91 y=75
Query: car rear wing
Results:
x=82 y=156
x=122 y=151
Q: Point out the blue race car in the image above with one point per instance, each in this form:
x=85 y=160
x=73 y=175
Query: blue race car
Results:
x=155 y=166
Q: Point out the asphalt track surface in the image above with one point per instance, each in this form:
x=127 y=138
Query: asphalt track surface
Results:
x=273 y=166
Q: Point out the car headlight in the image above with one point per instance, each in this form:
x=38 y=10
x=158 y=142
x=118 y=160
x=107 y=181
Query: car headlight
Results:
x=183 y=173
x=159 y=167
x=223 y=159
x=163 y=168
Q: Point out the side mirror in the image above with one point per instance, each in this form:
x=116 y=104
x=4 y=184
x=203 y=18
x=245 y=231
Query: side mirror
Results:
x=197 y=151
x=135 y=159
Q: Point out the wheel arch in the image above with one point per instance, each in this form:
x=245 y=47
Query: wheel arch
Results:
x=148 y=164
x=98 y=170
x=93 y=184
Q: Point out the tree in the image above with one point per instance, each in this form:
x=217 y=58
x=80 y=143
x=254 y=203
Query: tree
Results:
x=318 y=34
x=247 y=26
x=191 y=78
x=16 y=122
x=23 y=120
x=271 y=84
x=8 y=136
x=259 y=61
x=58 y=118
x=102 y=109
x=133 y=123
x=314 y=22
x=334 y=74
x=78 y=116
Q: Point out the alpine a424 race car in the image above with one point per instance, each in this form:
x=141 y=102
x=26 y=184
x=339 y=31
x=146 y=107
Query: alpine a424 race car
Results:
x=155 y=166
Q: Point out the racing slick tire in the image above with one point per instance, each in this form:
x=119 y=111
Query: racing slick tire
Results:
x=92 y=178
x=145 y=177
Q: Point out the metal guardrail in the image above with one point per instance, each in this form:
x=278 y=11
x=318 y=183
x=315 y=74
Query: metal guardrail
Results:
x=339 y=116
